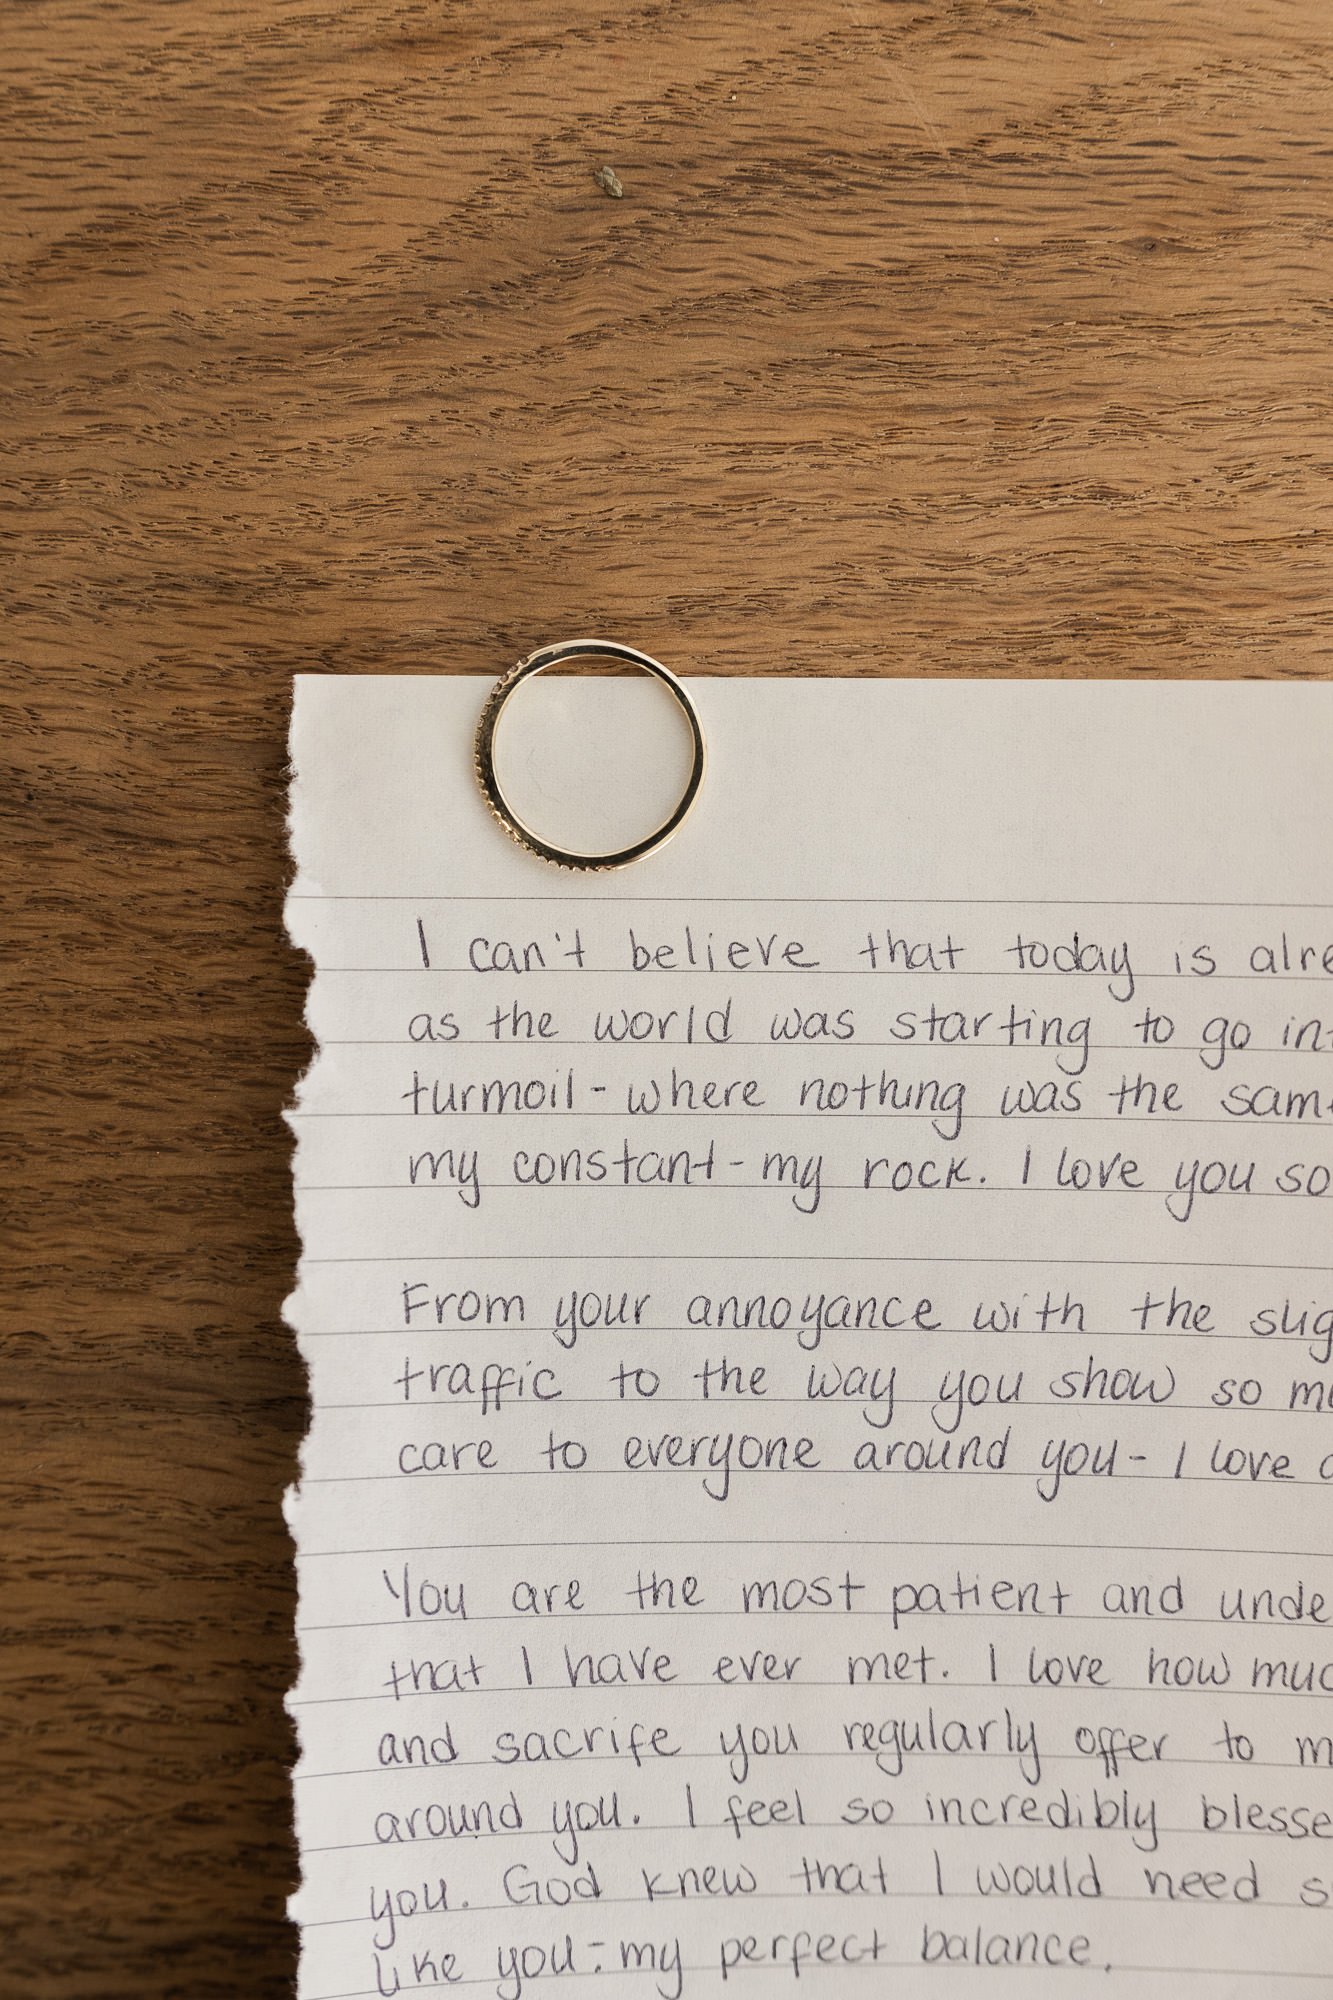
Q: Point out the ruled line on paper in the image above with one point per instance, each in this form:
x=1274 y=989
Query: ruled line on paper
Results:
x=545 y=898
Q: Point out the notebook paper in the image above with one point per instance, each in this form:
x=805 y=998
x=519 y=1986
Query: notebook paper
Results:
x=821 y=1352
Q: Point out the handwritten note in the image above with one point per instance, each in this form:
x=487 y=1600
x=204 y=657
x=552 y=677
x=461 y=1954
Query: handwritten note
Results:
x=821 y=1349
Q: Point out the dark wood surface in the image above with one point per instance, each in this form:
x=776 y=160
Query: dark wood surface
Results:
x=942 y=338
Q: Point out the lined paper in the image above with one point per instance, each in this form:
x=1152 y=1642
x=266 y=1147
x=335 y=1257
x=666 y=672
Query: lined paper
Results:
x=821 y=1350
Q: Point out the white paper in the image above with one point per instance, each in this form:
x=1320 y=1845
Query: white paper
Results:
x=666 y=1630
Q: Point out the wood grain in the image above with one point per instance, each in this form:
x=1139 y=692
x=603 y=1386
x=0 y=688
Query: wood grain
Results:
x=965 y=336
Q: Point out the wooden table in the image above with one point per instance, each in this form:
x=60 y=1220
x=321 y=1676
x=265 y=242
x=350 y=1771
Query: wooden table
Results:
x=968 y=338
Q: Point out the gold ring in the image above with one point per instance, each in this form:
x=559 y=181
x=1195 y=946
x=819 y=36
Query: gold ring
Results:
x=492 y=792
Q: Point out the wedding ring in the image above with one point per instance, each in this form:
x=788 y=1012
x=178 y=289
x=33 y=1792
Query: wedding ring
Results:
x=493 y=792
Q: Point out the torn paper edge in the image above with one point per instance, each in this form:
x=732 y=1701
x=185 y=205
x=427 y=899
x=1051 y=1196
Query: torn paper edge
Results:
x=298 y=804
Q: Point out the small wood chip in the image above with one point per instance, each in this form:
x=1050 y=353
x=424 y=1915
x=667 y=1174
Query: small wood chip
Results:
x=608 y=180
